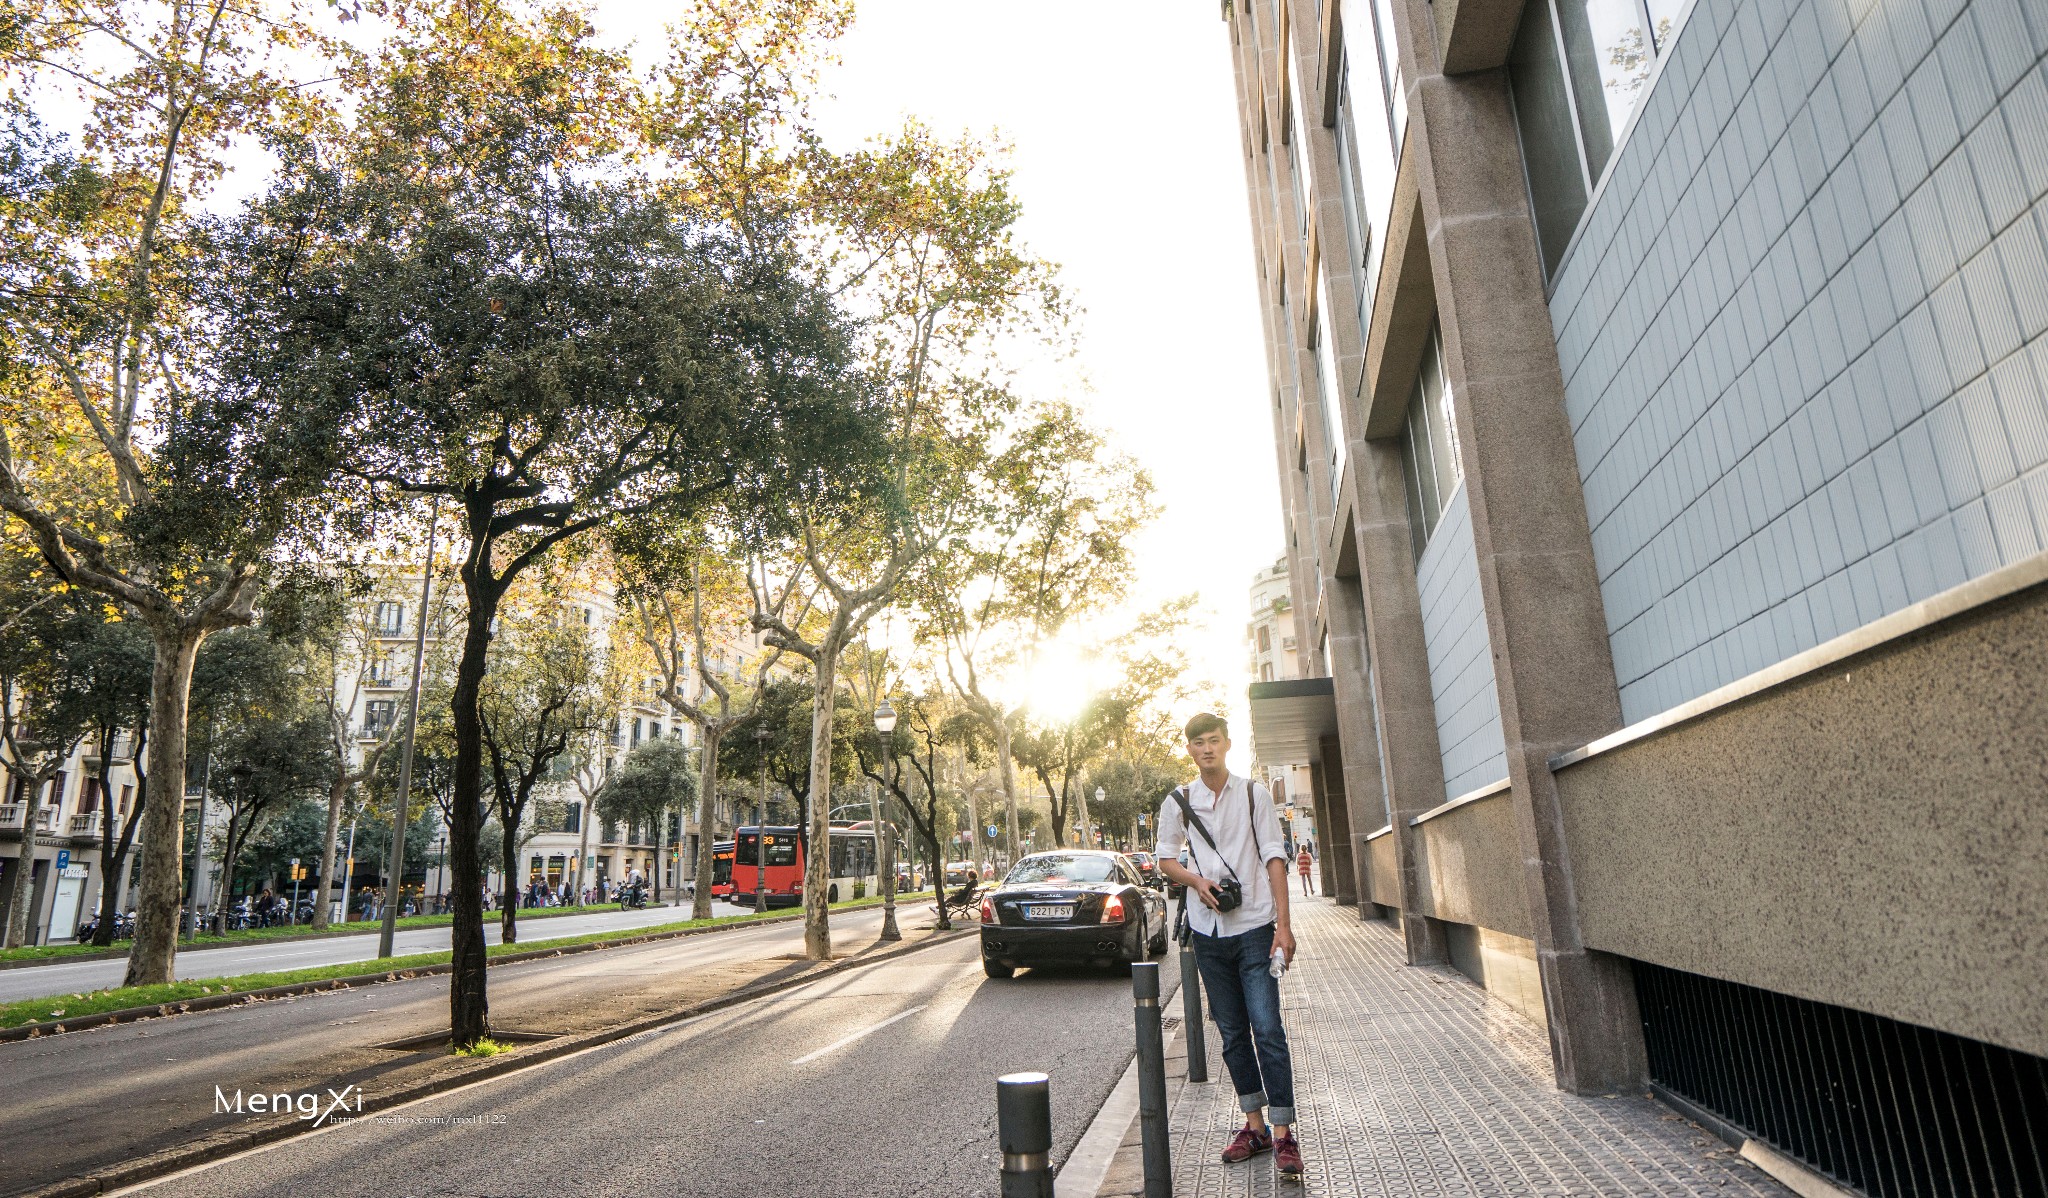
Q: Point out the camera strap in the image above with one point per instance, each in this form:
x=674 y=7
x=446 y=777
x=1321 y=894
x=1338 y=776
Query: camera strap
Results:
x=1187 y=814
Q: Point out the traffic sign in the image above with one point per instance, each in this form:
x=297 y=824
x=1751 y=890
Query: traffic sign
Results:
x=63 y=859
x=991 y=829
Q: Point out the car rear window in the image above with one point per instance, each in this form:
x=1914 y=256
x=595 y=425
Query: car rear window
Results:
x=1062 y=867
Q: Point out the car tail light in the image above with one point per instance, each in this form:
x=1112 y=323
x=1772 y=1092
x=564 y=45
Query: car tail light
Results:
x=988 y=910
x=1113 y=909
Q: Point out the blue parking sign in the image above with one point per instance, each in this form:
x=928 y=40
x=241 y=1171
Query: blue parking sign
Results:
x=63 y=858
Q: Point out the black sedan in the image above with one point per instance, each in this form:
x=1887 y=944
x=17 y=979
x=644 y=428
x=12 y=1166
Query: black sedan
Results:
x=1070 y=906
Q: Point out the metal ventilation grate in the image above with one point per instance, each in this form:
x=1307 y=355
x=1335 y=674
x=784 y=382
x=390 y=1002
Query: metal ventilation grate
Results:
x=1888 y=1108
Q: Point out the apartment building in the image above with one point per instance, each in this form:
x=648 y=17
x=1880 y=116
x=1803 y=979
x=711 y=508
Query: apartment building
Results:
x=1274 y=658
x=1658 y=394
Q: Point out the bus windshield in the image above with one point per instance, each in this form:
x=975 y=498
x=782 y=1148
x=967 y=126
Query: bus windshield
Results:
x=781 y=850
x=1085 y=869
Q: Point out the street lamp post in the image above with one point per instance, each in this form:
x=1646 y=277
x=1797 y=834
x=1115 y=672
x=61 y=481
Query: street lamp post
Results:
x=885 y=724
x=1099 y=795
x=761 y=738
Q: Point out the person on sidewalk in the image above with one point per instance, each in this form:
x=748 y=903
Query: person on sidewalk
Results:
x=1304 y=863
x=1237 y=870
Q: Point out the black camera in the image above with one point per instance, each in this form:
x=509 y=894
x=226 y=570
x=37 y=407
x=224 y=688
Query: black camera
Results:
x=1229 y=895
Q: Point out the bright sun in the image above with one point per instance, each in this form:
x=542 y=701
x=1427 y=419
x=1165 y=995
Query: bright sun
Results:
x=1059 y=684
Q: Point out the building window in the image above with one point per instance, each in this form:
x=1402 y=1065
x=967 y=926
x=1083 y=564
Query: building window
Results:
x=1291 y=133
x=1429 y=446
x=390 y=619
x=1579 y=68
x=1330 y=386
x=1265 y=639
x=1266 y=672
x=572 y=818
x=378 y=716
x=1390 y=69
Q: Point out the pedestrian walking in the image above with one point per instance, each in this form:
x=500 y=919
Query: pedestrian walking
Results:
x=1237 y=872
x=1305 y=862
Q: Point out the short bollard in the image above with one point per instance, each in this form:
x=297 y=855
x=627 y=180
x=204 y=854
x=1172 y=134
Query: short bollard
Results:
x=1152 y=1080
x=1191 y=1014
x=1024 y=1129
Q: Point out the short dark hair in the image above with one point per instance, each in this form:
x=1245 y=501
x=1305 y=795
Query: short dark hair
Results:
x=1207 y=722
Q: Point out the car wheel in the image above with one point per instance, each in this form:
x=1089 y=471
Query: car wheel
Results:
x=832 y=894
x=996 y=969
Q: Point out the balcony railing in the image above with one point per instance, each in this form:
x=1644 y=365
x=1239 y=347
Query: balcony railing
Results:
x=11 y=816
x=85 y=825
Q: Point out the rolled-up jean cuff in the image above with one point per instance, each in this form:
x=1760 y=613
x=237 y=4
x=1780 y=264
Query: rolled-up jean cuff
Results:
x=1281 y=1116
x=1256 y=1100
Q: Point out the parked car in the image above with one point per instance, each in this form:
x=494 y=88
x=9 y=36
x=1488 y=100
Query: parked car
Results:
x=961 y=871
x=1070 y=906
x=1148 y=868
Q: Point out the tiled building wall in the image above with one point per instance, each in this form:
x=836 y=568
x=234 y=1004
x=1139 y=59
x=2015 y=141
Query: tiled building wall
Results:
x=1800 y=330
x=1460 y=660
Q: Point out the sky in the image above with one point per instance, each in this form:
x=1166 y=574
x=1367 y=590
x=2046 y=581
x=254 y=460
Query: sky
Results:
x=1122 y=118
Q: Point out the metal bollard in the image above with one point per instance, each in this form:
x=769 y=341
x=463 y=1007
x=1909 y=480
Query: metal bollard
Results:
x=1024 y=1129
x=1151 y=1080
x=1191 y=1015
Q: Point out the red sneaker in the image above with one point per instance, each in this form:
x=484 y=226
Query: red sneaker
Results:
x=1287 y=1158
x=1247 y=1144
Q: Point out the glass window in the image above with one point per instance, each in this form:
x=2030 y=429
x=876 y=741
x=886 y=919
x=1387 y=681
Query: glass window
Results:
x=1579 y=68
x=1610 y=61
x=1292 y=133
x=1082 y=868
x=1429 y=446
x=1330 y=386
x=1390 y=69
x=1550 y=147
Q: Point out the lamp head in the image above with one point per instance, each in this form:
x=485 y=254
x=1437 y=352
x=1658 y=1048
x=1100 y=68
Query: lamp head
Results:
x=885 y=717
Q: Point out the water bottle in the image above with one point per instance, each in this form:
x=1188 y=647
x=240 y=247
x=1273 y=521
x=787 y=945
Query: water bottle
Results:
x=1278 y=965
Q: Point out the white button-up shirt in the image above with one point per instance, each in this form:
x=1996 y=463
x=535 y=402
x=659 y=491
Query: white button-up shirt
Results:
x=1247 y=835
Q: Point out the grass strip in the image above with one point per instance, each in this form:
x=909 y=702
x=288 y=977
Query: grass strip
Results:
x=57 y=952
x=119 y=998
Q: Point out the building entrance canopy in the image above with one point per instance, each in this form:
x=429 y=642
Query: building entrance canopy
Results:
x=1290 y=719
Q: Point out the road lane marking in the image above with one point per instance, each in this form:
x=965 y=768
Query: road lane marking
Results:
x=839 y=1044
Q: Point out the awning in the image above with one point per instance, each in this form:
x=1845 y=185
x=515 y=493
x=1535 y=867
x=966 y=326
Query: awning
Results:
x=1290 y=719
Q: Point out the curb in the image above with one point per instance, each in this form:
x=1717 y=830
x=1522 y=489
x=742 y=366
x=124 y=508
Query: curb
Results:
x=177 y=1160
x=118 y=954
x=235 y=998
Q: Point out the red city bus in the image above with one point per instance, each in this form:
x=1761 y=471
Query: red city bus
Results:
x=853 y=858
x=721 y=869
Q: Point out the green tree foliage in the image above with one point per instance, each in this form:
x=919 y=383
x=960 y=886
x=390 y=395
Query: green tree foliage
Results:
x=136 y=470
x=517 y=321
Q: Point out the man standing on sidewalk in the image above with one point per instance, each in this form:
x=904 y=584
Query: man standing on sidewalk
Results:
x=1239 y=875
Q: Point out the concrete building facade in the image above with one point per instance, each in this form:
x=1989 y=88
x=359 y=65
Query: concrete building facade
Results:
x=1270 y=637
x=1661 y=409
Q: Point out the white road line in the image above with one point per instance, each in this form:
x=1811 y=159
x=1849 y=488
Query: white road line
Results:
x=836 y=1045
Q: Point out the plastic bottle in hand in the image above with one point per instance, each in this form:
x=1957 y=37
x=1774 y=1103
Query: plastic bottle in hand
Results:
x=1278 y=965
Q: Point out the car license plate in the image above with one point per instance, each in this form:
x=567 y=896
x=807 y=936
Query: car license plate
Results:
x=1036 y=912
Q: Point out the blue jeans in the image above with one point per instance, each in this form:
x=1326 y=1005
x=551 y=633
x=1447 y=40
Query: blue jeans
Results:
x=1244 y=997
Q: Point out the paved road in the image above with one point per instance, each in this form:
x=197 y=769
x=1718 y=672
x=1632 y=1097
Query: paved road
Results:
x=75 y=977
x=105 y=1095
x=875 y=1081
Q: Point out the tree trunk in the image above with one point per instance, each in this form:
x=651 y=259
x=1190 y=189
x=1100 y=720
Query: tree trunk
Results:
x=469 y=1008
x=151 y=961
x=937 y=870
x=818 y=852
x=1009 y=785
x=508 y=914
x=707 y=816
x=660 y=837
x=25 y=865
x=337 y=794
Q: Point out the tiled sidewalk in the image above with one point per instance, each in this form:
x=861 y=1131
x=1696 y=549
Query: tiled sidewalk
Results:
x=1417 y=1082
